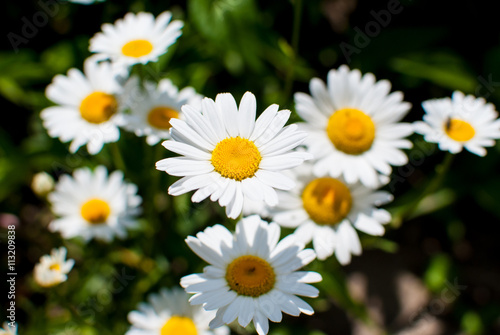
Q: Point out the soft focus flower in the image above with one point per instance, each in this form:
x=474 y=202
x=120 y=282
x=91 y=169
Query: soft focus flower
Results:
x=152 y=108
x=87 y=107
x=462 y=121
x=353 y=126
x=251 y=276
x=137 y=38
x=93 y=205
x=53 y=268
x=7 y=329
x=326 y=210
x=230 y=156
x=42 y=183
x=169 y=312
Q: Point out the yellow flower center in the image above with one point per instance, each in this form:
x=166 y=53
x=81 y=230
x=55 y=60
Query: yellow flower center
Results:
x=98 y=107
x=95 y=211
x=159 y=117
x=137 y=48
x=327 y=200
x=55 y=267
x=179 y=325
x=459 y=130
x=236 y=158
x=351 y=131
x=250 y=275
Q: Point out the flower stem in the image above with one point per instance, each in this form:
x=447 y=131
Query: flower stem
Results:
x=295 y=46
x=441 y=170
x=116 y=155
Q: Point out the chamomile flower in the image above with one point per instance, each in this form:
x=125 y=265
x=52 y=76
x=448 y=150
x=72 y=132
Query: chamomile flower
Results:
x=152 y=108
x=169 y=312
x=87 y=107
x=462 y=121
x=94 y=205
x=7 y=329
x=137 y=38
x=353 y=126
x=53 y=269
x=230 y=156
x=251 y=276
x=325 y=210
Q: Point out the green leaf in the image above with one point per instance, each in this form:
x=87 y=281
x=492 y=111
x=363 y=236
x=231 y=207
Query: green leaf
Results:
x=443 y=69
x=436 y=275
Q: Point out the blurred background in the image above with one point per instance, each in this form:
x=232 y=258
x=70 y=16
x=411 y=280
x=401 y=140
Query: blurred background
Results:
x=435 y=272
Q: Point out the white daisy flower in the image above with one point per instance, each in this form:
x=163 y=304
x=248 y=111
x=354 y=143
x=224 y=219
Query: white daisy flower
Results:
x=152 y=108
x=8 y=329
x=230 y=156
x=137 y=38
x=169 y=312
x=325 y=210
x=251 y=276
x=353 y=126
x=87 y=111
x=93 y=205
x=462 y=121
x=53 y=268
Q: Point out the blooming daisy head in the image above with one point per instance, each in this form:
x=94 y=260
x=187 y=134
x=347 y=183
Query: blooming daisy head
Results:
x=353 y=126
x=325 y=210
x=169 y=312
x=251 y=276
x=87 y=107
x=94 y=205
x=137 y=38
x=8 y=328
x=152 y=108
x=462 y=121
x=53 y=268
x=230 y=156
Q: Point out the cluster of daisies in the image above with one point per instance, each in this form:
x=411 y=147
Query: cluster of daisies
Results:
x=322 y=177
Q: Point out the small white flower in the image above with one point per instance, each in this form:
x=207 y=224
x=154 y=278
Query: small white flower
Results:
x=152 y=108
x=251 y=276
x=230 y=156
x=8 y=329
x=137 y=38
x=462 y=121
x=169 y=312
x=87 y=107
x=53 y=269
x=93 y=205
x=326 y=210
x=353 y=126
x=42 y=183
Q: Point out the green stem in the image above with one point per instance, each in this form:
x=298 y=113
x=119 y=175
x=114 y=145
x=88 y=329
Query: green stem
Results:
x=116 y=155
x=434 y=184
x=295 y=46
x=156 y=153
